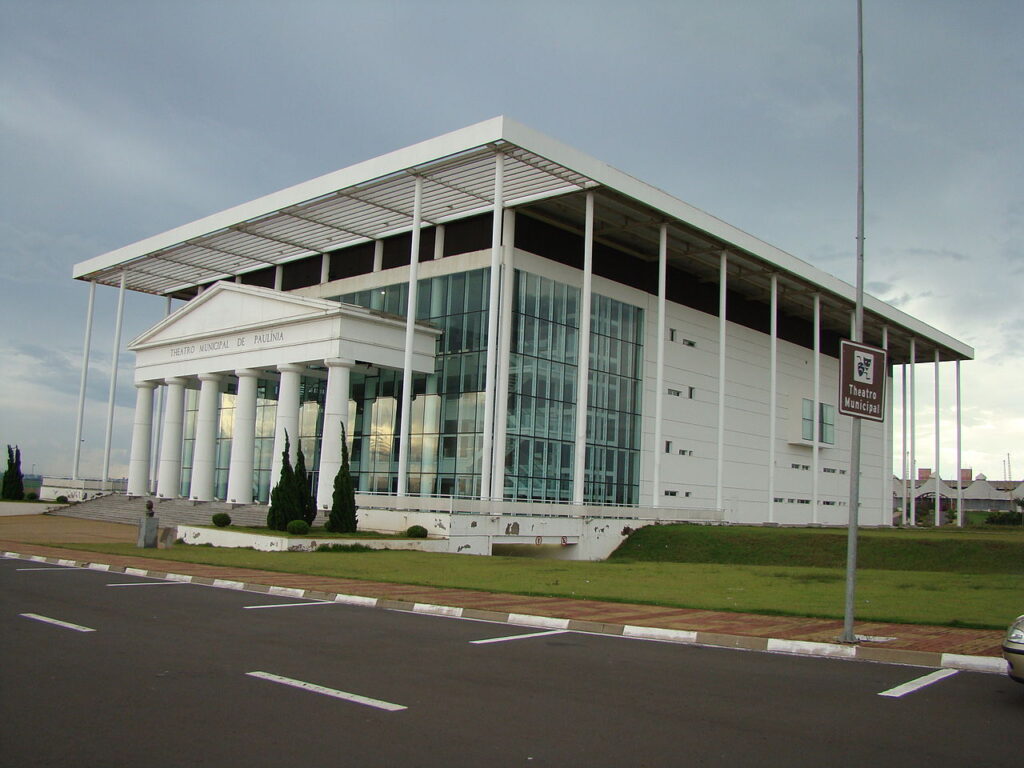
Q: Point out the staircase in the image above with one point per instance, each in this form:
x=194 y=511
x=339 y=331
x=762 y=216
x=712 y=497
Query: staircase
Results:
x=118 y=508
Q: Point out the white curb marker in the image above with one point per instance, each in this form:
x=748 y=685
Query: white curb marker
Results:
x=918 y=684
x=313 y=688
x=57 y=622
x=518 y=637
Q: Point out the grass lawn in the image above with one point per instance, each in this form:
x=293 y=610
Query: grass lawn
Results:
x=957 y=599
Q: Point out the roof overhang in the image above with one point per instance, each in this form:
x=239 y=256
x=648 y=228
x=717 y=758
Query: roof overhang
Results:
x=374 y=199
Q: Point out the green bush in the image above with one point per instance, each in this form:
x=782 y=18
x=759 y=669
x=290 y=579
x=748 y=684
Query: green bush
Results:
x=297 y=527
x=416 y=532
x=1004 y=518
x=221 y=519
x=62 y=499
x=347 y=548
x=31 y=496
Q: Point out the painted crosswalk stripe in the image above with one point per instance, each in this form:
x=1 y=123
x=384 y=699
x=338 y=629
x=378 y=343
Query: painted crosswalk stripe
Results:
x=918 y=684
x=334 y=693
x=518 y=637
x=57 y=622
x=291 y=605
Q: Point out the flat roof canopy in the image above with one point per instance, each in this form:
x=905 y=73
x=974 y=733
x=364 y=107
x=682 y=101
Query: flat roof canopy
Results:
x=374 y=199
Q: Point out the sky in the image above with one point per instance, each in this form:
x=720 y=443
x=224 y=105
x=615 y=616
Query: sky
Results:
x=120 y=120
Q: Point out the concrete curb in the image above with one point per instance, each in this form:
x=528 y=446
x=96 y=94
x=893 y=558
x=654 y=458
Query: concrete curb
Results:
x=989 y=664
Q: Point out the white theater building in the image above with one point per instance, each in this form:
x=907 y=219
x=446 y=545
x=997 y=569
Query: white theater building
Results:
x=496 y=316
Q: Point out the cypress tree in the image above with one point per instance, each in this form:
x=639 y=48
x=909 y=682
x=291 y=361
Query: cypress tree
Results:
x=282 y=496
x=14 y=482
x=343 y=503
x=305 y=492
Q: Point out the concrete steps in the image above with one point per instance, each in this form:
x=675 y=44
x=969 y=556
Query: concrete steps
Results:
x=117 y=508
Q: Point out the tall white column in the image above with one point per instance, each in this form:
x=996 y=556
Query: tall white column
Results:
x=885 y=500
x=240 y=469
x=169 y=481
x=583 y=367
x=405 y=417
x=816 y=437
x=335 y=412
x=903 y=447
x=508 y=274
x=773 y=388
x=959 y=455
x=287 y=419
x=325 y=268
x=204 y=453
x=142 y=429
x=490 y=373
x=723 y=287
x=113 y=381
x=158 y=421
x=659 y=377
x=938 y=473
x=439 y=242
x=913 y=432
x=81 y=386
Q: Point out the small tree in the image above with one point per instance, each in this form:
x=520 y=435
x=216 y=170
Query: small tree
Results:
x=343 y=503
x=14 y=482
x=304 y=490
x=285 y=502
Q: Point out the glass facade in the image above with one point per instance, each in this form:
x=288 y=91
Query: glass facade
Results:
x=446 y=422
x=826 y=422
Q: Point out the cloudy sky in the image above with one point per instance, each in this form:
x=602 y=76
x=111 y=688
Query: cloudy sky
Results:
x=119 y=120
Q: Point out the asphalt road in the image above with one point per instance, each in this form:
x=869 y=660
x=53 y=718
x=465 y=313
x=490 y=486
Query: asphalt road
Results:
x=166 y=678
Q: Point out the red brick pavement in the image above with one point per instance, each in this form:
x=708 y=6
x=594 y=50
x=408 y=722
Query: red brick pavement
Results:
x=909 y=637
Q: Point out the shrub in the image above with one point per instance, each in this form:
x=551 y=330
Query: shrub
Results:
x=347 y=548
x=62 y=499
x=1004 y=518
x=297 y=527
x=221 y=519
x=31 y=496
x=416 y=532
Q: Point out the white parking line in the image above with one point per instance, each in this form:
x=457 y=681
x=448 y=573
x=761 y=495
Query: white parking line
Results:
x=918 y=684
x=54 y=568
x=518 y=637
x=57 y=622
x=313 y=688
x=144 y=583
x=291 y=605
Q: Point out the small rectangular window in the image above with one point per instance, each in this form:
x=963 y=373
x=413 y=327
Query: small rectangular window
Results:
x=778 y=499
x=671 y=334
x=671 y=493
x=674 y=392
x=689 y=392
x=668 y=446
x=685 y=452
x=689 y=343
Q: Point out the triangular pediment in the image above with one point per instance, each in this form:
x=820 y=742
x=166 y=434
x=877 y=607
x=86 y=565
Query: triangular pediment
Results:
x=230 y=307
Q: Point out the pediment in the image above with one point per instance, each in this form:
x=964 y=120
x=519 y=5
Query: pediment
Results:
x=229 y=307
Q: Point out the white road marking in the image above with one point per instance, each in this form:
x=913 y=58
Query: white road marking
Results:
x=291 y=605
x=918 y=684
x=144 y=583
x=313 y=688
x=518 y=637
x=57 y=622
x=54 y=568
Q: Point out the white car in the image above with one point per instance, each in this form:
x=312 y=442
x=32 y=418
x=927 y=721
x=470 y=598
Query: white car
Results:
x=1013 y=649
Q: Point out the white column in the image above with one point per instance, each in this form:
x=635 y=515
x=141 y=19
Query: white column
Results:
x=278 y=277
x=723 y=286
x=903 y=447
x=405 y=417
x=158 y=421
x=325 y=268
x=490 y=373
x=816 y=436
x=113 y=381
x=142 y=429
x=938 y=473
x=287 y=419
x=85 y=373
x=335 y=411
x=240 y=477
x=583 y=367
x=508 y=273
x=378 y=255
x=773 y=387
x=959 y=455
x=659 y=377
x=439 y=242
x=913 y=432
x=169 y=481
x=204 y=453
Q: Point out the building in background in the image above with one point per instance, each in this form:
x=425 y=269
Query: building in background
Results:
x=574 y=336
